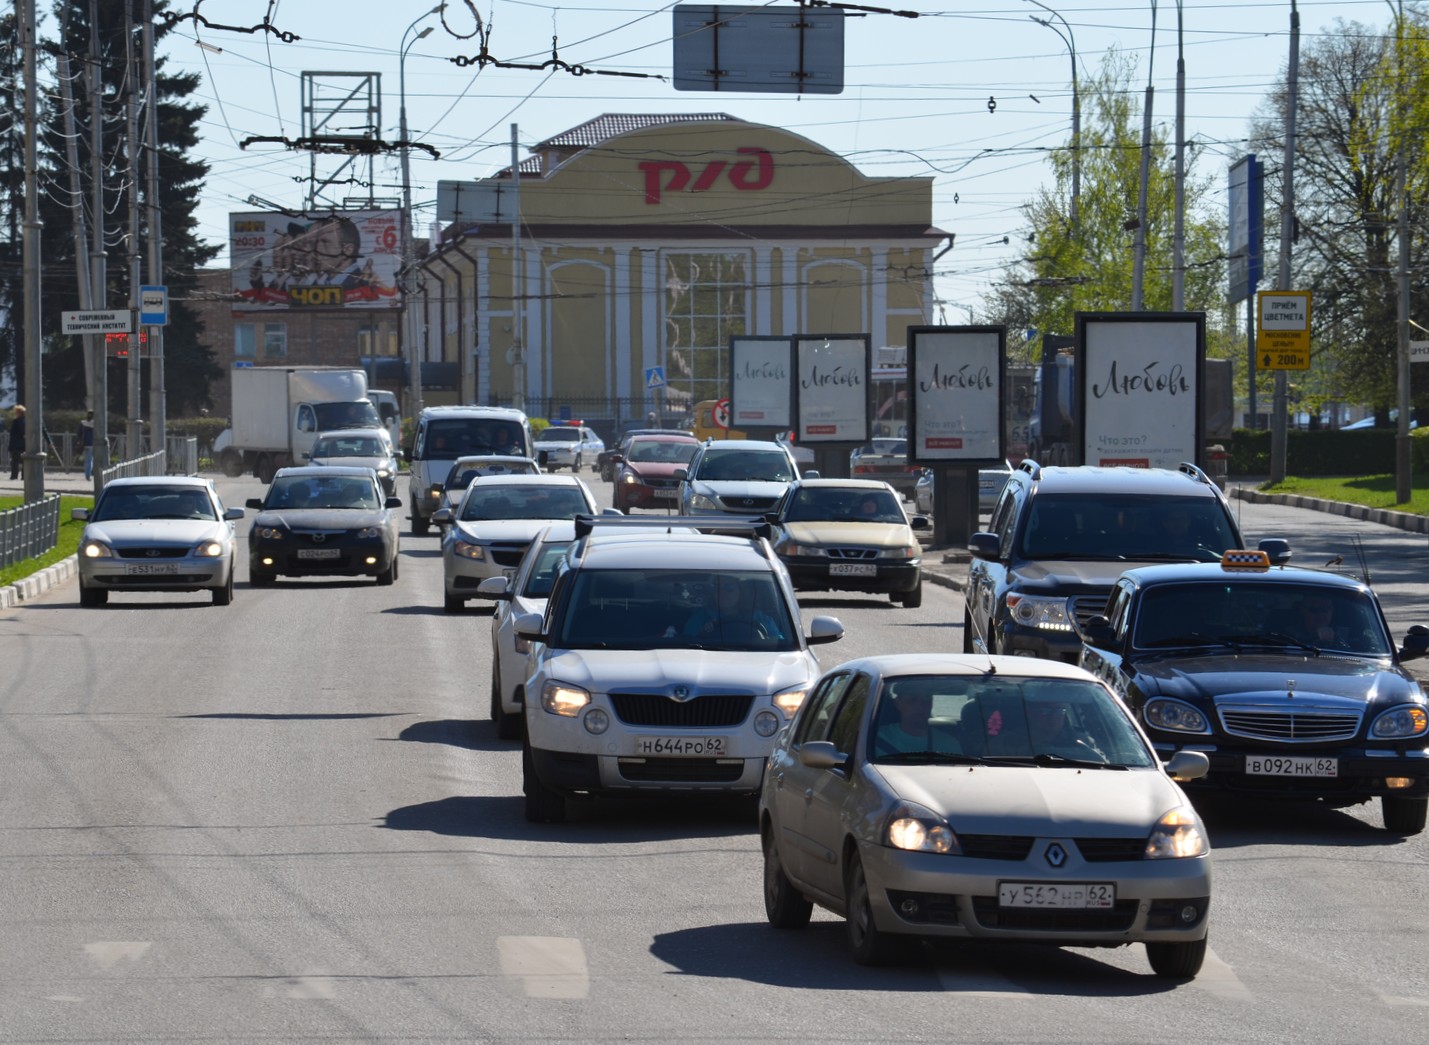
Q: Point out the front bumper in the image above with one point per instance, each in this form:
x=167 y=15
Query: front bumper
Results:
x=462 y=576
x=1362 y=772
x=889 y=576
x=1046 y=643
x=639 y=496
x=343 y=558
x=605 y=774
x=928 y=894
x=189 y=573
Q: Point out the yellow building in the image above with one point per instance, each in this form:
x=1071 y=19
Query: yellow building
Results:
x=647 y=241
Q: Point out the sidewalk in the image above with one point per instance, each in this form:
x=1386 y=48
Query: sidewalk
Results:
x=56 y=482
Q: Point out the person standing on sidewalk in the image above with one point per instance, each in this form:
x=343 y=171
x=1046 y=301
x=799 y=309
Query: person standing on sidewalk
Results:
x=17 y=442
x=86 y=443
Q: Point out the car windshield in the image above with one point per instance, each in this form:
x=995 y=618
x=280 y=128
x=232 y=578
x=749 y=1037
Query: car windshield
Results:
x=738 y=611
x=1240 y=612
x=815 y=504
x=347 y=415
x=153 y=502
x=1126 y=527
x=543 y=570
x=561 y=435
x=349 y=446
x=747 y=465
x=1001 y=718
x=658 y=451
x=314 y=491
x=492 y=501
x=448 y=438
x=460 y=477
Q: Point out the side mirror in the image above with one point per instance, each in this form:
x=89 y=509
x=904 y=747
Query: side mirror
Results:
x=442 y=516
x=306 y=457
x=495 y=588
x=1188 y=765
x=1277 y=548
x=821 y=754
x=611 y=511
x=984 y=546
x=392 y=502
x=81 y=514
x=1097 y=631
x=229 y=514
x=1416 y=643
x=256 y=503
x=528 y=626
x=825 y=629
x=682 y=473
x=920 y=522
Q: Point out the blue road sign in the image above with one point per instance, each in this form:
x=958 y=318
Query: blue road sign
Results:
x=654 y=377
x=153 y=306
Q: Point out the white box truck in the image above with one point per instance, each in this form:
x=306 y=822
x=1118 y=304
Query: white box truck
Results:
x=278 y=412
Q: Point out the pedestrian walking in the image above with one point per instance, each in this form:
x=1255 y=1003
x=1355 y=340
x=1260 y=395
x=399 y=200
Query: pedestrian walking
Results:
x=86 y=443
x=17 y=442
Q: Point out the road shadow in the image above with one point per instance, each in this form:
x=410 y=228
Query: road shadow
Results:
x=467 y=734
x=416 y=610
x=1236 y=821
x=605 y=821
x=315 y=716
x=421 y=553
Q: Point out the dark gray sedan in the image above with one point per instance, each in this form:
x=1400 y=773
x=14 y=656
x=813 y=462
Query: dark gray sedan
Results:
x=324 y=521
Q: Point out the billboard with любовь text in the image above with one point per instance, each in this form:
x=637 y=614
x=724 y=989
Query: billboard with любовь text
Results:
x=338 y=260
x=955 y=379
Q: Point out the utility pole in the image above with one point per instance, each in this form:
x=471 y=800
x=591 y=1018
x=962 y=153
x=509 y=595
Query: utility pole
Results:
x=158 y=408
x=1178 y=237
x=1278 y=436
x=135 y=429
x=1138 y=266
x=1403 y=459
x=518 y=354
x=35 y=449
x=98 y=273
x=77 y=222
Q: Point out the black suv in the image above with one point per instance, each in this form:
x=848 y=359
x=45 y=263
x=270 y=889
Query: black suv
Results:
x=1061 y=536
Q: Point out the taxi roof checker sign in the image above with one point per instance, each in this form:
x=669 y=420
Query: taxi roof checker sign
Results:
x=1283 y=329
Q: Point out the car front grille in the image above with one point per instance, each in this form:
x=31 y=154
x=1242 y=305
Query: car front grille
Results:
x=1109 y=850
x=1116 y=919
x=1299 y=726
x=151 y=551
x=749 y=504
x=848 y=554
x=508 y=554
x=1085 y=607
x=654 y=709
x=996 y=847
x=681 y=770
x=660 y=484
x=148 y=580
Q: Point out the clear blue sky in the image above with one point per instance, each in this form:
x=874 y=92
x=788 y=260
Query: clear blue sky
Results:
x=915 y=101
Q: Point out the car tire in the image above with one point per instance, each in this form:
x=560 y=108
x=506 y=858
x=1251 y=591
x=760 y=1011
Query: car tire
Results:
x=264 y=468
x=967 y=631
x=389 y=575
x=784 y=906
x=576 y=468
x=870 y=944
x=606 y=474
x=259 y=578
x=230 y=462
x=420 y=526
x=1177 y=960
x=453 y=603
x=92 y=597
x=508 y=726
x=1403 y=816
x=544 y=805
x=914 y=598
x=223 y=594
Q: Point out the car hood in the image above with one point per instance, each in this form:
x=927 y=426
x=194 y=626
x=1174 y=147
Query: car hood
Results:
x=1258 y=675
x=700 y=671
x=156 y=531
x=726 y=488
x=878 y=535
x=356 y=462
x=1072 y=573
x=501 y=529
x=322 y=518
x=654 y=469
x=1044 y=801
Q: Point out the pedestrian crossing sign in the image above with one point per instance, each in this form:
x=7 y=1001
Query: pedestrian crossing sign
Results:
x=654 y=377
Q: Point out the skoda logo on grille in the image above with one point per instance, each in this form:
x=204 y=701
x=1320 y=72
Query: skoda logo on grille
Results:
x=680 y=694
x=1056 y=855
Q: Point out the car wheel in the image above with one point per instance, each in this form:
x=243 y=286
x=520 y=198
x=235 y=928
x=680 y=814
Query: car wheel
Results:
x=1179 y=961
x=967 y=631
x=387 y=576
x=259 y=578
x=576 y=468
x=606 y=474
x=543 y=805
x=914 y=598
x=1403 y=816
x=870 y=944
x=784 y=905
x=264 y=468
x=92 y=597
x=223 y=594
x=453 y=603
x=231 y=463
x=420 y=526
x=508 y=726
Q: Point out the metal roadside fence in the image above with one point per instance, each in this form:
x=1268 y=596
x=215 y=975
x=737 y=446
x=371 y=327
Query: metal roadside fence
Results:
x=30 y=530
x=149 y=464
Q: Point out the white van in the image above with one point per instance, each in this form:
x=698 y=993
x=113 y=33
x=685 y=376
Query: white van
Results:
x=389 y=411
x=445 y=433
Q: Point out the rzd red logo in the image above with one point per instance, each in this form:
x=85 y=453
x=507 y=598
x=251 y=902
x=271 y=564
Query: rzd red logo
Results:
x=744 y=175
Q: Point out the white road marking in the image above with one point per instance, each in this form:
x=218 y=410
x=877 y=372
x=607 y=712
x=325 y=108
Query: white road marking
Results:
x=550 y=966
x=109 y=953
x=1394 y=999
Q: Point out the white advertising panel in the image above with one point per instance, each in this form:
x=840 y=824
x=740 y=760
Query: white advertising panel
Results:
x=832 y=388
x=1140 y=388
x=339 y=260
x=955 y=393
x=761 y=373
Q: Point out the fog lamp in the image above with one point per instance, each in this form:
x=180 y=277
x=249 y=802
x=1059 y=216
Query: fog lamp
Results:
x=1398 y=783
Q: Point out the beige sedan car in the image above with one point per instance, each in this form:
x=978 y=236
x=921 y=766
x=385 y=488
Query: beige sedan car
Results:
x=967 y=797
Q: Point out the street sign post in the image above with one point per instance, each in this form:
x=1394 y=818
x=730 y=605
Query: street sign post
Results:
x=1419 y=351
x=720 y=414
x=654 y=378
x=153 y=306
x=1283 y=329
x=97 y=321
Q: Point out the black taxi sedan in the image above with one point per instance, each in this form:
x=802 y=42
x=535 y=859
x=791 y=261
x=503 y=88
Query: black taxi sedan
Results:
x=1286 y=678
x=324 y=521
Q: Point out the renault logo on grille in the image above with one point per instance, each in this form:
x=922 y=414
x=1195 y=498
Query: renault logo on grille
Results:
x=680 y=694
x=1056 y=855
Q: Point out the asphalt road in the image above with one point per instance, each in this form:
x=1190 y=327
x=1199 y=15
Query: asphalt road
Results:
x=289 y=820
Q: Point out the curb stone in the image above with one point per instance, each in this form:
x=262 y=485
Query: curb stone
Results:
x=36 y=584
x=1383 y=516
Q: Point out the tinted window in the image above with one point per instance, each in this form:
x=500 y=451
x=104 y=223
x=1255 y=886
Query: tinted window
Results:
x=312 y=491
x=844 y=733
x=814 y=723
x=825 y=504
x=349 y=446
x=1146 y=527
x=487 y=500
x=448 y=438
x=542 y=574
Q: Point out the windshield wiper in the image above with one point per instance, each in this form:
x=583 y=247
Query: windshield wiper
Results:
x=1047 y=758
x=942 y=758
x=1191 y=638
x=1275 y=640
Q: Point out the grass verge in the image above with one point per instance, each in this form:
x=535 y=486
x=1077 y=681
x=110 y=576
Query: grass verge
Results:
x=69 y=535
x=1373 y=491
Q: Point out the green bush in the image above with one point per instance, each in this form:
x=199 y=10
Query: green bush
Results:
x=1364 y=452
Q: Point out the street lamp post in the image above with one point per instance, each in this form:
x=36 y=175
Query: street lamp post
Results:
x=1138 y=267
x=1070 y=40
x=409 y=333
x=1178 y=237
x=1403 y=459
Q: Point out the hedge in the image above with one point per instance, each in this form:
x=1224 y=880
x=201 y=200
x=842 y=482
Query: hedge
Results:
x=1366 y=452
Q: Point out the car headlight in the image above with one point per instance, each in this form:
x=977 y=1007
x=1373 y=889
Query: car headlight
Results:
x=906 y=552
x=96 y=550
x=435 y=493
x=790 y=700
x=1176 y=715
x=1176 y=835
x=809 y=551
x=209 y=550
x=468 y=551
x=629 y=478
x=1399 y=723
x=384 y=473
x=920 y=830
x=704 y=503
x=270 y=533
x=369 y=532
x=1039 y=611
x=561 y=699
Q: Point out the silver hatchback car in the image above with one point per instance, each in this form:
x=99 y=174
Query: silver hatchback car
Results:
x=1002 y=798
x=160 y=533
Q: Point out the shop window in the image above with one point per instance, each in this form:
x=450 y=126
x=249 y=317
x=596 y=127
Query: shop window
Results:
x=706 y=303
x=275 y=340
x=244 y=343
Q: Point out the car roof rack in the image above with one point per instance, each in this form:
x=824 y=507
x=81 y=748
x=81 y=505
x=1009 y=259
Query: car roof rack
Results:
x=1187 y=468
x=1031 y=467
x=752 y=527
